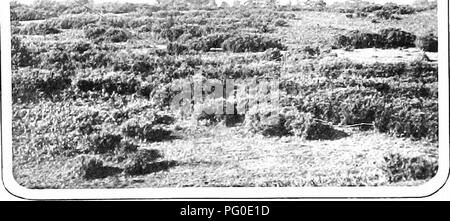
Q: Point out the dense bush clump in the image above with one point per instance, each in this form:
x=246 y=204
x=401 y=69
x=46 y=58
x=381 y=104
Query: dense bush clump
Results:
x=117 y=35
x=28 y=84
x=174 y=48
x=101 y=143
x=428 y=43
x=120 y=83
x=399 y=168
x=271 y=121
x=386 y=38
x=76 y=55
x=39 y=29
x=151 y=129
x=20 y=54
x=273 y=54
x=111 y=34
x=90 y=168
x=357 y=39
x=94 y=32
x=251 y=43
x=206 y=43
x=409 y=118
x=395 y=38
x=142 y=162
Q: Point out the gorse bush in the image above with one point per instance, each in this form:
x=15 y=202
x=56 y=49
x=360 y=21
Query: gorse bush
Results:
x=120 y=83
x=386 y=38
x=38 y=29
x=273 y=54
x=87 y=167
x=28 y=85
x=281 y=23
x=173 y=33
x=111 y=34
x=428 y=43
x=94 y=32
x=357 y=39
x=117 y=35
x=76 y=55
x=206 y=43
x=42 y=10
x=400 y=168
x=270 y=121
x=251 y=43
x=152 y=129
x=142 y=162
x=409 y=118
x=174 y=48
x=20 y=54
x=100 y=143
x=395 y=38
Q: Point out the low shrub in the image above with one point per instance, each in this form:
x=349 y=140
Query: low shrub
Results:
x=402 y=168
x=101 y=143
x=281 y=23
x=172 y=33
x=251 y=43
x=174 y=48
x=270 y=121
x=89 y=122
x=115 y=82
x=94 y=32
x=386 y=38
x=151 y=129
x=38 y=29
x=74 y=55
x=208 y=113
x=28 y=84
x=91 y=168
x=117 y=35
x=20 y=54
x=141 y=162
x=273 y=54
x=406 y=118
x=111 y=34
x=395 y=38
x=357 y=39
x=206 y=43
x=428 y=43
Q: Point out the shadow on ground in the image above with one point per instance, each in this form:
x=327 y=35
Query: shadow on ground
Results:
x=103 y=172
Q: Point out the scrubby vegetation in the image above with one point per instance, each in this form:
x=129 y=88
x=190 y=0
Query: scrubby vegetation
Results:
x=386 y=38
x=400 y=168
x=122 y=97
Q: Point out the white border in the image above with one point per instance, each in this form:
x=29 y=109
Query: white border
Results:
x=236 y=193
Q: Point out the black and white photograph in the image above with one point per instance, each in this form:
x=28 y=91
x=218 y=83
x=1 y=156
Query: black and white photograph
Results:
x=224 y=93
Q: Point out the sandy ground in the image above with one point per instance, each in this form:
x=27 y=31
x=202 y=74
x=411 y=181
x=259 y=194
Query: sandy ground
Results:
x=372 y=55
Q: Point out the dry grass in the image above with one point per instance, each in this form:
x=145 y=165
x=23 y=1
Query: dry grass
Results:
x=221 y=156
